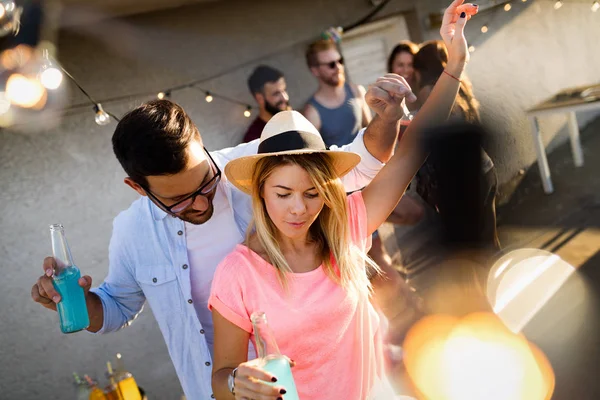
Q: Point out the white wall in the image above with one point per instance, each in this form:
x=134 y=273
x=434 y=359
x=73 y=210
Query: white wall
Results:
x=528 y=55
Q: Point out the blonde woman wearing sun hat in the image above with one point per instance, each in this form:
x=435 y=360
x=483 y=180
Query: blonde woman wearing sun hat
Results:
x=303 y=262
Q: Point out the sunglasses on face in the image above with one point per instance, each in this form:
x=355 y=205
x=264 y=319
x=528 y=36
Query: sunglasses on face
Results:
x=333 y=64
x=204 y=190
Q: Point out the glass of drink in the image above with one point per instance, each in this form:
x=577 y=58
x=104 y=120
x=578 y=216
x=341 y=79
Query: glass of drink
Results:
x=72 y=309
x=272 y=360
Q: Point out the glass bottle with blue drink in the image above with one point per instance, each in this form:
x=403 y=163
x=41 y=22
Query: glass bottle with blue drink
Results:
x=72 y=309
x=272 y=360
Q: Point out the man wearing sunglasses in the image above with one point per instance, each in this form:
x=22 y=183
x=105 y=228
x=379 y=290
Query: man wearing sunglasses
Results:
x=165 y=248
x=338 y=108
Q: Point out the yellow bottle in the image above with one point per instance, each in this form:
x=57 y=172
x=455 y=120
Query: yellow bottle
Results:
x=112 y=391
x=126 y=382
x=95 y=392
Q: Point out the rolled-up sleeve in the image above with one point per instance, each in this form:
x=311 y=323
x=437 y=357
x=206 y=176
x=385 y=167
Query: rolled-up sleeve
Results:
x=122 y=298
x=227 y=292
x=366 y=170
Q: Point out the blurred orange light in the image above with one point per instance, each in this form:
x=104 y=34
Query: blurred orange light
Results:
x=25 y=92
x=16 y=58
x=475 y=358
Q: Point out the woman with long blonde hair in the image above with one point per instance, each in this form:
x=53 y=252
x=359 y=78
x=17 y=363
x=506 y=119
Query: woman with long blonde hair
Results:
x=304 y=264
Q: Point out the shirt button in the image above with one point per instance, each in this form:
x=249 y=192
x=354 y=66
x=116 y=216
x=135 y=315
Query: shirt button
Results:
x=184 y=266
x=202 y=331
x=190 y=301
x=207 y=364
x=180 y=233
x=154 y=280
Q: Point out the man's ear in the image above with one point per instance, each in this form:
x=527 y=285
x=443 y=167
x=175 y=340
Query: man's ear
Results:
x=132 y=184
x=260 y=99
x=314 y=71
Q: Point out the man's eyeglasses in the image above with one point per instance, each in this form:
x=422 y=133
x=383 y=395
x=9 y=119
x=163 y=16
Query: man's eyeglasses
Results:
x=204 y=190
x=333 y=64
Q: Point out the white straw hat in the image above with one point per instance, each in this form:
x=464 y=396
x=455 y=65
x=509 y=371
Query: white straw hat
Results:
x=288 y=132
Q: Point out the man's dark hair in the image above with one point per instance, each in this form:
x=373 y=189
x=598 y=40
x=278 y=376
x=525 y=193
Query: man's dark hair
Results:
x=152 y=140
x=262 y=75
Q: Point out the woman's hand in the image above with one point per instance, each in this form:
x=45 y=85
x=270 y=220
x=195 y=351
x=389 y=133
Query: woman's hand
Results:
x=251 y=383
x=453 y=34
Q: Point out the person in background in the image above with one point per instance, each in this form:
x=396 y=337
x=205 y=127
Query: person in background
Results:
x=267 y=86
x=408 y=211
x=431 y=59
x=338 y=108
x=400 y=62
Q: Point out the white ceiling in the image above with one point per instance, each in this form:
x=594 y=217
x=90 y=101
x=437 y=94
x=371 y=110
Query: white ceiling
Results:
x=127 y=7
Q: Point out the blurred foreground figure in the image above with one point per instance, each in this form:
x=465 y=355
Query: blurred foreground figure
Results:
x=464 y=196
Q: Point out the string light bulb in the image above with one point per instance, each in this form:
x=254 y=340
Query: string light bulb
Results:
x=484 y=29
x=164 y=95
x=595 y=6
x=471 y=49
x=524 y=1
x=102 y=118
x=248 y=112
x=208 y=97
x=507 y=7
x=558 y=5
x=50 y=76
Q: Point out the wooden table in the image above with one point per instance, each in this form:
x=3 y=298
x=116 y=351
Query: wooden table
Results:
x=568 y=101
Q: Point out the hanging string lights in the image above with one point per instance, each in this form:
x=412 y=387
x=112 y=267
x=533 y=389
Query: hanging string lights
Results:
x=29 y=92
x=507 y=6
x=50 y=76
x=102 y=117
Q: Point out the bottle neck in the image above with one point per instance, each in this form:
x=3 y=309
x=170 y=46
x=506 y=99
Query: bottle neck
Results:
x=120 y=372
x=60 y=248
x=264 y=337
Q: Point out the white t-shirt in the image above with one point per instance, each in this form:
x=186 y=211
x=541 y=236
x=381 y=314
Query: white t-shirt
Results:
x=207 y=245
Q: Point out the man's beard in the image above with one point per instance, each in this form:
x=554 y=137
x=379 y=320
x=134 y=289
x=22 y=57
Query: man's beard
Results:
x=195 y=217
x=334 y=81
x=273 y=109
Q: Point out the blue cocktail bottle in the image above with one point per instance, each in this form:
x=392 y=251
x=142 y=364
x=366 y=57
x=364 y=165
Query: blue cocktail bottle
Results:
x=272 y=360
x=72 y=310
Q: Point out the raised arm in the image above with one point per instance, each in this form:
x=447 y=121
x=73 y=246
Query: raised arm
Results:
x=382 y=131
x=366 y=111
x=385 y=191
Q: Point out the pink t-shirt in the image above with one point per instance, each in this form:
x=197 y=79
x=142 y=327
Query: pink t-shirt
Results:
x=333 y=336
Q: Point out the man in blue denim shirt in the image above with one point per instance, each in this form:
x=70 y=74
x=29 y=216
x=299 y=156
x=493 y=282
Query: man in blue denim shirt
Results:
x=165 y=248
